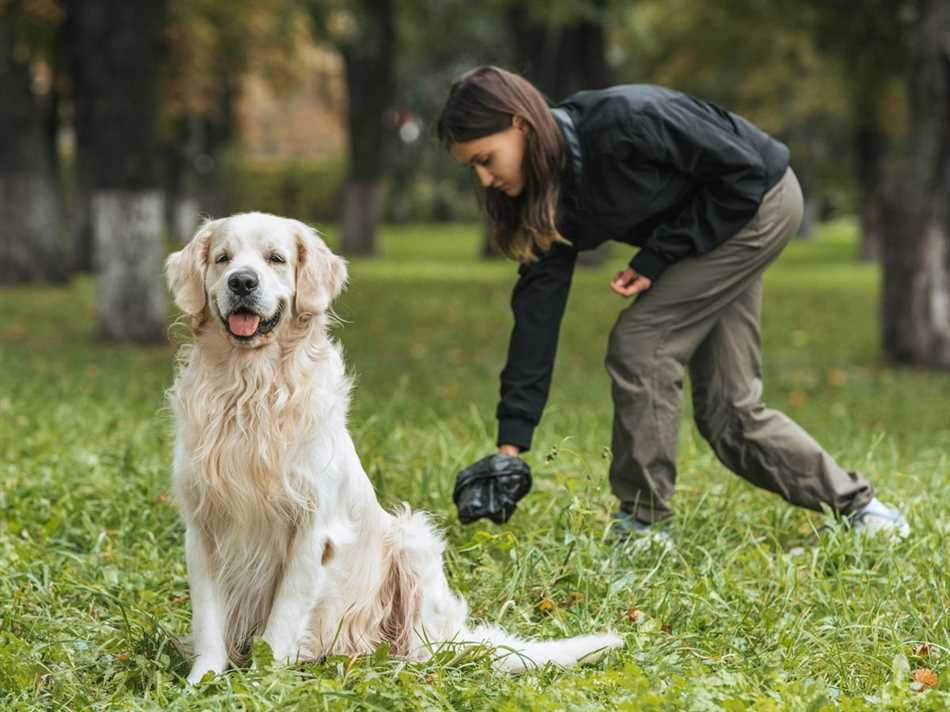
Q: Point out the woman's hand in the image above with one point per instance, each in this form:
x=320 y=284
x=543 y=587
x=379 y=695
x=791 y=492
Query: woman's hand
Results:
x=510 y=450
x=628 y=283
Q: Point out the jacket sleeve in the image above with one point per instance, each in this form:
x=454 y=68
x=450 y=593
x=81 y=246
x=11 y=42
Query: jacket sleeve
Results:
x=730 y=174
x=538 y=302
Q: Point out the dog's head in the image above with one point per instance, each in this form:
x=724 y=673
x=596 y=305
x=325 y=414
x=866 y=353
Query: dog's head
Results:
x=253 y=272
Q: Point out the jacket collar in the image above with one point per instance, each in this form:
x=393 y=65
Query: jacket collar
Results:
x=569 y=131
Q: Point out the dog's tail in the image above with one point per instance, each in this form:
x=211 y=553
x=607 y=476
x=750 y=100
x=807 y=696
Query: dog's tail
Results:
x=516 y=654
x=416 y=582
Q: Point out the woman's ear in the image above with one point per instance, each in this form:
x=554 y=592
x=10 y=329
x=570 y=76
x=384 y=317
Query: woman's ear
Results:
x=519 y=123
x=321 y=275
x=185 y=270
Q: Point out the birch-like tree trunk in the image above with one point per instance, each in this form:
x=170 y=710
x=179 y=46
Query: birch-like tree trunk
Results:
x=117 y=54
x=130 y=302
x=30 y=210
x=916 y=265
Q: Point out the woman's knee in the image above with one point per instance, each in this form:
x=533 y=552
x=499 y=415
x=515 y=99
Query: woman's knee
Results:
x=715 y=418
x=625 y=354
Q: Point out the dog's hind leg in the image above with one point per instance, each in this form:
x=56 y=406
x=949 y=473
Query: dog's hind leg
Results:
x=207 y=609
x=297 y=594
x=423 y=612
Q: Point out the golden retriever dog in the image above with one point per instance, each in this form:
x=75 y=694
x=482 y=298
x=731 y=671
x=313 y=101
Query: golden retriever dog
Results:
x=284 y=536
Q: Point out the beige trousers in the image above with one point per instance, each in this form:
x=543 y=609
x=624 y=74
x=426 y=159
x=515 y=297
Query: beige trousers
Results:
x=704 y=313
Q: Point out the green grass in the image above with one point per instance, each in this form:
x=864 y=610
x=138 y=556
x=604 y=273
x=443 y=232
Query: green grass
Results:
x=93 y=588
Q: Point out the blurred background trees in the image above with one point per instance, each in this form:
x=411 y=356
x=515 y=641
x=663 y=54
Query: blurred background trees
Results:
x=364 y=33
x=916 y=225
x=30 y=208
x=324 y=110
x=117 y=50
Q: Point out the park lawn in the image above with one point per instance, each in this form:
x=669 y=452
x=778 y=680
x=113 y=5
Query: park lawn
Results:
x=750 y=610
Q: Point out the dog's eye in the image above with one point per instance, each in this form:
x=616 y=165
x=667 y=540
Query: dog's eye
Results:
x=277 y=259
x=222 y=258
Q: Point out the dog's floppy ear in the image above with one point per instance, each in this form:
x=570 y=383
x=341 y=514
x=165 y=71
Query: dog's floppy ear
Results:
x=185 y=270
x=321 y=275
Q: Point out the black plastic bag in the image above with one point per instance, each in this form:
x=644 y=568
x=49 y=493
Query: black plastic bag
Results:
x=491 y=488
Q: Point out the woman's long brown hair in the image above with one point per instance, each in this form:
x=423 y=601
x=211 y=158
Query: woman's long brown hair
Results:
x=484 y=101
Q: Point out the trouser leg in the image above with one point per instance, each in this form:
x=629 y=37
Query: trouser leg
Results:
x=656 y=336
x=647 y=387
x=762 y=445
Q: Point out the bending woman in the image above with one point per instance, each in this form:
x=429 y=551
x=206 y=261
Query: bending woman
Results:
x=710 y=201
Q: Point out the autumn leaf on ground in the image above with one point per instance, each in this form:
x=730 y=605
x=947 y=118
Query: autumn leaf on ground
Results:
x=837 y=377
x=926 y=677
x=635 y=615
x=546 y=606
x=798 y=398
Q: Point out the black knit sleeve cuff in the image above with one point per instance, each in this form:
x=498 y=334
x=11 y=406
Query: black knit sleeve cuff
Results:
x=514 y=431
x=649 y=263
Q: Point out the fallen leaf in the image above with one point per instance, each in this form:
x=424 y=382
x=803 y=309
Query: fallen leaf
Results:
x=798 y=398
x=921 y=650
x=837 y=378
x=926 y=677
x=635 y=615
x=546 y=605
x=667 y=628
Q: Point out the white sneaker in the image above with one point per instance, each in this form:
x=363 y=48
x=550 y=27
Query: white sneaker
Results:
x=876 y=518
x=626 y=529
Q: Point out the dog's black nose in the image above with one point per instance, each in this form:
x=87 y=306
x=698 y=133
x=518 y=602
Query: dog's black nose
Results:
x=242 y=283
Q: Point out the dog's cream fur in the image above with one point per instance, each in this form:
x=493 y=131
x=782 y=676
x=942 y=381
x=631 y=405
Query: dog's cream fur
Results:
x=284 y=536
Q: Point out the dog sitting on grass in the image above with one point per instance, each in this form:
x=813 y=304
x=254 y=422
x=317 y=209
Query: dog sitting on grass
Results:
x=284 y=536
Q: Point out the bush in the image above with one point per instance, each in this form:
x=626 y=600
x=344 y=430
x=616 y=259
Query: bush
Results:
x=309 y=190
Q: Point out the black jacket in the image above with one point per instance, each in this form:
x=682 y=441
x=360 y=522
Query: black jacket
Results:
x=651 y=167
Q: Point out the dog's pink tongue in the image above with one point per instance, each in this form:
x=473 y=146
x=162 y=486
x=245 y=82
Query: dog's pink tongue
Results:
x=243 y=324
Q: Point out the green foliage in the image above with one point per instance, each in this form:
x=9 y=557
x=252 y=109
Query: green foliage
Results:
x=751 y=610
x=212 y=45
x=310 y=190
x=762 y=60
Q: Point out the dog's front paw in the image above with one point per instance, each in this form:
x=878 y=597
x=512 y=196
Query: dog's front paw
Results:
x=284 y=655
x=205 y=664
x=276 y=648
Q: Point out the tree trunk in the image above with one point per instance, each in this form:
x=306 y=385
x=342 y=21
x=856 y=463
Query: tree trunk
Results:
x=117 y=55
x=368 y=61
x=360 y=216
x=805 y=152
x=82 y=96
x=916 y=275
x=561 y=59
x=30 y=212
x=29 y=226
x=869 y=150
x=185 y=154
x=130 y=301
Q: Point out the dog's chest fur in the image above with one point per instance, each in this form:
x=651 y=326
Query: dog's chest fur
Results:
x=249 y=430
x=254 y=445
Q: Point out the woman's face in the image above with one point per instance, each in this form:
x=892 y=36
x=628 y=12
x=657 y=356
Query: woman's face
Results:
x=496 y=158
